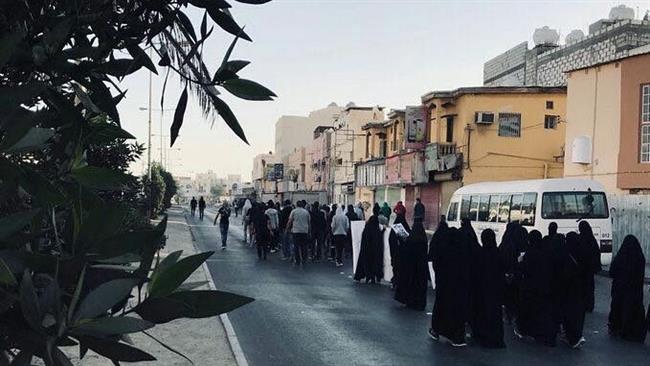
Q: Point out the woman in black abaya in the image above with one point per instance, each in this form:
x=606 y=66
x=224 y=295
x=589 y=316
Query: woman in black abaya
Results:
x=535 y=308
x=488 y=324
x=395 y=243
x=590 y=254
x=510 y=251
x=626 y=318
x=572 y=298
x=412 y=283
x=370 y=264
x=451 y=308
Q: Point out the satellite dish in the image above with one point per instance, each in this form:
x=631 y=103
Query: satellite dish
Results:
x=574 y=36
x=545 y=36
x=621 y=12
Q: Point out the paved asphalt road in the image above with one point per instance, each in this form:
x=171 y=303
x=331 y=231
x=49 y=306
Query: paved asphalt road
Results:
x=319 y=316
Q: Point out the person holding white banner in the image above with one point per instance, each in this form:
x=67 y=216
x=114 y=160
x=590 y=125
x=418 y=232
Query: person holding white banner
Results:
x=411 y=289
x=397 y=238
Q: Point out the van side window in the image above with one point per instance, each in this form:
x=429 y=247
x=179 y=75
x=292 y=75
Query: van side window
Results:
x=452 y=215
x=464 y=208
x=504 y=208
x=483 y=208
x=473 y=207
x=494 y=208
x=515 y=208
x=528 y=208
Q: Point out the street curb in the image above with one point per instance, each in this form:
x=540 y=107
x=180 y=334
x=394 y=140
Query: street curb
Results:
x=233 y=341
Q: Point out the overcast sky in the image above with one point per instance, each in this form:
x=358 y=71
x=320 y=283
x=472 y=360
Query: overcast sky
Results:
x=311 y=53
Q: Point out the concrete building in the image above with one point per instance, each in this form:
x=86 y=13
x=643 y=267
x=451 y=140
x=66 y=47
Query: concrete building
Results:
x=293 y=132
x=262 y=176
x=608 y=124
x=348 y=148
x=546 y=63
x=472 y=135
x=494 y=134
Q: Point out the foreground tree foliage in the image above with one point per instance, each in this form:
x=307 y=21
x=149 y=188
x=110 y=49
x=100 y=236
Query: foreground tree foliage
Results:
x=75 y=268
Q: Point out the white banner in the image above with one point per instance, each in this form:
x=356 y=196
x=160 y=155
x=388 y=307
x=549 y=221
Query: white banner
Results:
x=357 y=229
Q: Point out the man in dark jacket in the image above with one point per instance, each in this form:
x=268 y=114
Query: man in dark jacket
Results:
x=418 y=210
x=286 y=236
x=318 y=224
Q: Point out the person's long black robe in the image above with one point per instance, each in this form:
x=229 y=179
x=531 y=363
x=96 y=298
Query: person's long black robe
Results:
x=535 y=317
x=487 y=327
x=411 y=289
x=394 y=243
x=509 y=251
x=626 y=316
x=370 y=264
x=590 y=253
x=571 y=298
x=471 y=242
x=451 y=307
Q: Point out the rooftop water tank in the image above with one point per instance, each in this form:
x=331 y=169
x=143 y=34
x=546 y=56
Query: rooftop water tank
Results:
x=545 y=36
x=574 y=36
x=350 y=104
x=621 y=12
x=581 y=150
x=333 y=104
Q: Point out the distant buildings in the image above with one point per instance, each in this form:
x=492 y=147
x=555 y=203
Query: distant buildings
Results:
x=522 y=124
x=545 y=64
x=201 y=184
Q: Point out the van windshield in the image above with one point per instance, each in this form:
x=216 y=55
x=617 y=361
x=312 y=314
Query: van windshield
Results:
x=574 y=205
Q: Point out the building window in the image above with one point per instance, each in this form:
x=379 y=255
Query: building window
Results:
x=450 y=129
x=509 y=124
x=368 y=145
x=645 y=123
x=394 y=143
x=550 y=122
x=549 y=104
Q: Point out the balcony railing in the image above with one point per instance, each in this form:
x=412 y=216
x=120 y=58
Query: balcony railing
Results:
x=441 y=156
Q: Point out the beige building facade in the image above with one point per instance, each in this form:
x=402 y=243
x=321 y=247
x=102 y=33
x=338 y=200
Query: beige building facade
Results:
x=608 y=124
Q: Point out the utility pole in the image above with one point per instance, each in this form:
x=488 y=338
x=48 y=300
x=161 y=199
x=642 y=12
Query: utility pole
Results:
x=162 y=147
x=149 y=136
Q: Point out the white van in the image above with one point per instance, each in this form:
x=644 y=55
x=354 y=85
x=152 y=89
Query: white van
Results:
x=535 y=204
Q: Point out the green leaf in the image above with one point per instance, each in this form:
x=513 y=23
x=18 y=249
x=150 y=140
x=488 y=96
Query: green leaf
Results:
x=9 y=225
x=104 y=297
x=84 y=98
x=104 y=99
x=18 y=124
x=160 y=310
x=103 y=133
x=194 y=49
x=179 y=114
x=227 y=23
x=120 y=67
x=114 y=350
x=167 y=262
x=76 y=294
x=169 y=280
x=208 y=303
x=187 y=24
x=139 y=55
x=188 y=286
x=217 y=4
x=100 y=178
x=204 y=24
x=254 y=2
x=8 y=44
x=229 y=70
x=34 y=139
x=112 y=326
x=226 y=56
x=103 y=222
x=24 y=358
x=248 y=89
x=229 y=117
x=6 y=276
x=29 y=302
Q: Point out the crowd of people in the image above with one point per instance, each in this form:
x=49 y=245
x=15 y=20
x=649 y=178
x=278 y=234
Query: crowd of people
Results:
x=542 y=285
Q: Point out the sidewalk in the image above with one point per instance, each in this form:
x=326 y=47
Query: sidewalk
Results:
x=204 y=341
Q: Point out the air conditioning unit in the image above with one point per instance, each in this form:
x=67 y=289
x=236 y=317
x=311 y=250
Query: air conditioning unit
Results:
x=484 y=118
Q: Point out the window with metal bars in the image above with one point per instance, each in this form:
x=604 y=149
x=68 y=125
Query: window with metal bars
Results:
x=509 y=124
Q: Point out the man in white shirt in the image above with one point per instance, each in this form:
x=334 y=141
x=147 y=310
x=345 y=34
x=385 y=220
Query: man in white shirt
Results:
x=274 y=221
x=340 y=226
